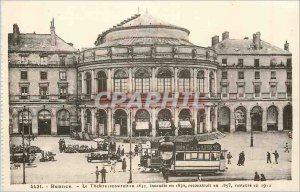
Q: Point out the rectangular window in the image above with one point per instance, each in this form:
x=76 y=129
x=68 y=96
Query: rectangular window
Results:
x=256 y=62
x=273 y=90
x=62 y=75
x=194 y=155
x=241 y=90
x=62 y=60
x=224 y=90
x=63 y=92
x=180 y=156
x=289 y=90
x=24 y=60
x=184 y=85
x=120 y=85
x=24 y=92
x=187 y=156
x=224 y=74
x=273 y=74
x=142 y=85
x=43 y=60
x=257 y=90
x=224 y=61
x=164 y=84
x=206 y=156
x=257 y=75
x=289 y=75
x=289 y=62
x=23 y=75
x=240 y=62
x=241 y=75
x=44 y=92
x=43 y=75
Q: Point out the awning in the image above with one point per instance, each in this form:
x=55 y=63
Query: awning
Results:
x=164 y=125
x=140 y=125
x=185 y=124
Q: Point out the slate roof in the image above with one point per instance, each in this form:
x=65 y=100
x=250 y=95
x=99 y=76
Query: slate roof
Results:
x=145 y=41
x=245 y=46
x=38 y=42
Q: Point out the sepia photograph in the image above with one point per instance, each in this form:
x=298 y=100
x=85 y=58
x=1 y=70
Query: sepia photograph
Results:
x=169 y=95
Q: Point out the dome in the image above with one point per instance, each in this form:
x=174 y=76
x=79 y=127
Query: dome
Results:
x=143 y=29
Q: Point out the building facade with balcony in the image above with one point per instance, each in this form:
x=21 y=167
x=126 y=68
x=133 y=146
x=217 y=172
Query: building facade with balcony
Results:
x=42 y=78
x=255 y=84
x=242 y=85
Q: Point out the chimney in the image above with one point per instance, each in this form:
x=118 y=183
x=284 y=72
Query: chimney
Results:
x=16 y=34
x=257 y=40
x=286 y=46
x=52 y=30
x=214 y=40
x=225 y=35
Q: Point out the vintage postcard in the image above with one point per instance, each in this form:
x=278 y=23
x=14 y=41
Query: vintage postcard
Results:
x=147 y=96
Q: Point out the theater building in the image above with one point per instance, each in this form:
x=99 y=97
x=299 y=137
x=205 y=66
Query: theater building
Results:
x=242 y=85
x=42 y=83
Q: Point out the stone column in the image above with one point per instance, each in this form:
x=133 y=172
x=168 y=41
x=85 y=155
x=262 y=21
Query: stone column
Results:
x=195 y=120
x=153 y=82
x=93 y=80
x=109 y=121
x=153 y=121
x=130 y=80
x=83 y=90
x=93 y=121
x=206 y=82
x=207 y=119
x=82 y=119
x=216 y=87
x=34 y=123
x=264 y=120
x=53 y=123
x=15 y=125
x=248 y=122
x=194 y=80
x=175 y=89
x=280 y=119
x=109 y=81
x=232 y=120
x=216 y=118
x=176 y=120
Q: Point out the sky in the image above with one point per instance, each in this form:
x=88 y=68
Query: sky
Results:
x=80 y=22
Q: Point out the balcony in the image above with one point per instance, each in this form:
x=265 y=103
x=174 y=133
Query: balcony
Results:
x=41 y=98
x=146 y=52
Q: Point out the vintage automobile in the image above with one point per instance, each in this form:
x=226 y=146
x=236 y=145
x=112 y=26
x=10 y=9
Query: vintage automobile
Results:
x=47 y=156
x=102 y=157
x=18 y=158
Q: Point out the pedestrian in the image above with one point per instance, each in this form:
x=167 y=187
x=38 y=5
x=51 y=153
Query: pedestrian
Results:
x=103 y=175
x=119 y=150
x=97 y=174
x=262 y=177
x=269 y=157
x=229 y=157
x=60 y=145
x=242 y=158
x=276 y=155
x=122 y=151
x=286 y=148
x=63 y=147
x=136 y=150
x=124 y=165
x=256 y=177
x=113 y=166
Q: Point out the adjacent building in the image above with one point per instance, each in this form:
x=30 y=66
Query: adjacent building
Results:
x=243 y=84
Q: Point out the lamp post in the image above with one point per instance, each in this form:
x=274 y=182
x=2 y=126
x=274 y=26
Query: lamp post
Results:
x=251 y=137
x=130 y=152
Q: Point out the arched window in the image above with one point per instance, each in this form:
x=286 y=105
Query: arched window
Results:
x=120 y=81
x=184 y=79
x=102 y=81
x=200 y=82
x=164 y=80
x=142 y=81
x=88 y=83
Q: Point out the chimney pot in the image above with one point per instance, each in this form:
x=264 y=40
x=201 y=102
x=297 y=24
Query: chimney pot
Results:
x=286 y=46
x=225 y=35
x=214 y=40
x=52 y=30
x=257 y=40
x=16 y=34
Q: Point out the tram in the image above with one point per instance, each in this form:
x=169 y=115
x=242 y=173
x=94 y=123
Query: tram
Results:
x=189 y=158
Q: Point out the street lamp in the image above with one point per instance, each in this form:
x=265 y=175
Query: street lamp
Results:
x=23 y=144
x=251 y=137
x=130 y=152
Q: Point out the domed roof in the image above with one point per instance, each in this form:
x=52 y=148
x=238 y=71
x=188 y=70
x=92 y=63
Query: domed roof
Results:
x=146 y=27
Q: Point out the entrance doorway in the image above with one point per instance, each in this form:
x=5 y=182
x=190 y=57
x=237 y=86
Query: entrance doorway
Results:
x=44 y=122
